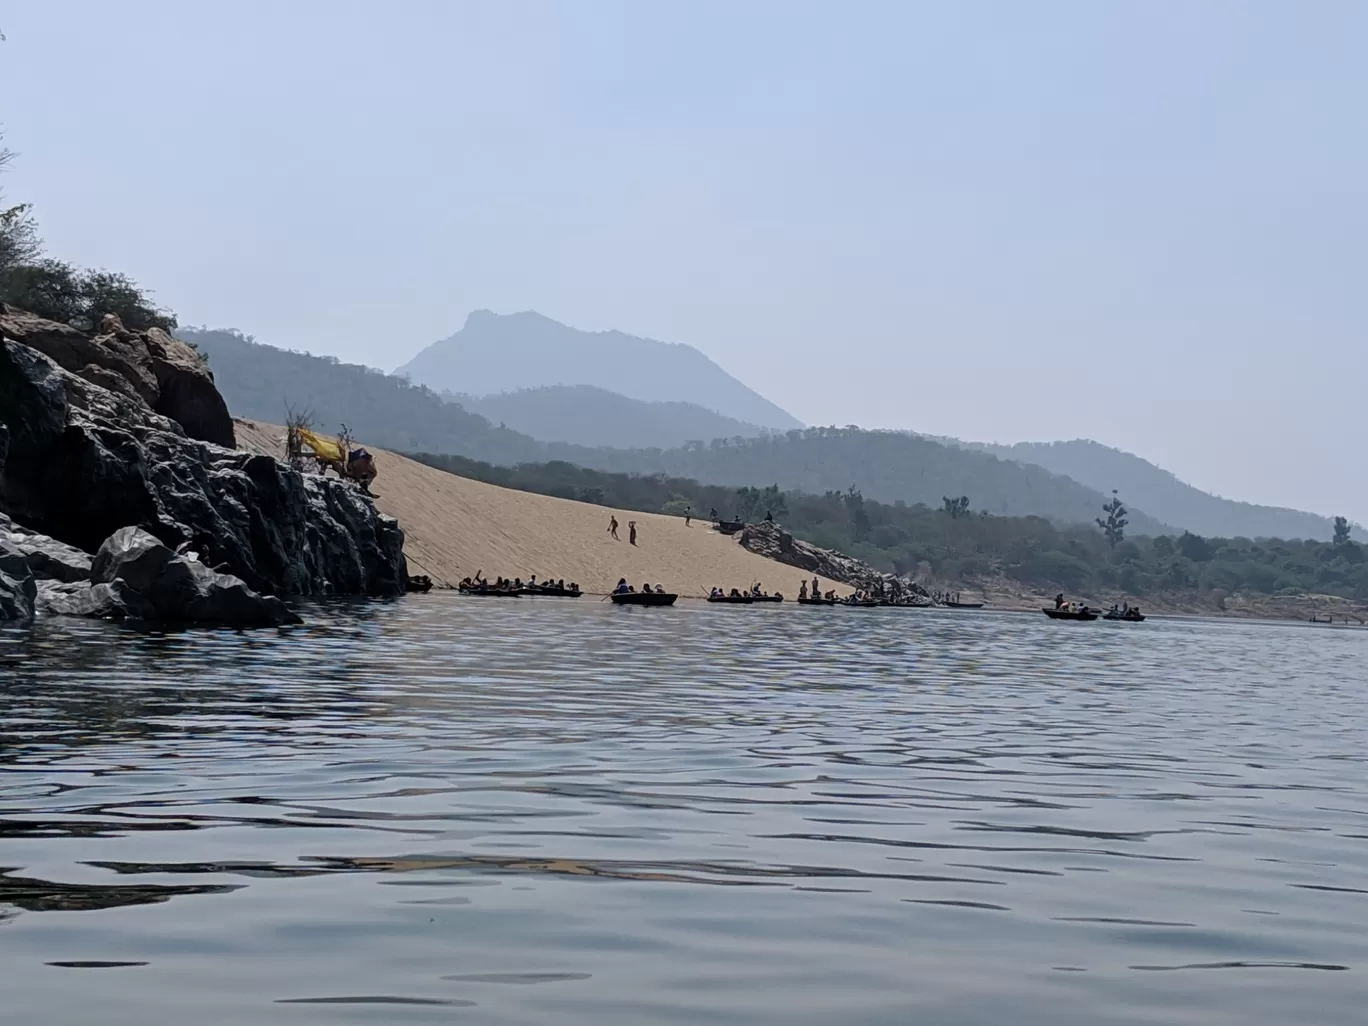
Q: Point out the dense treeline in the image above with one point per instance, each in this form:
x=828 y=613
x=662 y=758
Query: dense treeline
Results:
x=890 y=466
x=951 y=543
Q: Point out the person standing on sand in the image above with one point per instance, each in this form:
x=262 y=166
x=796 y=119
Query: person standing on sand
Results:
x=631 y=532
x=688 y=515
x=612 y=527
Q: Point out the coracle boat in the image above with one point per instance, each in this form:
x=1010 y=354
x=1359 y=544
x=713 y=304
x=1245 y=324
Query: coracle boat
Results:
x=729 y=526
x=859 y=603
x=492 y=592
x=1126 y=617
x=553 y=592
x=643 y=598
x=816 y=602
x=776 y=597
x=732 y=600
x=963 y=605
x=1069 y=614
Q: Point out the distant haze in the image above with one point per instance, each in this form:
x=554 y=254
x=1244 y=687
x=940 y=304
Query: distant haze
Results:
x=1138 y=223
x=494 y=353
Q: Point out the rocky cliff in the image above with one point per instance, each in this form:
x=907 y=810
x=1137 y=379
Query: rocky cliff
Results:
x=773 y=542
x=165 y=374
x=89 y=453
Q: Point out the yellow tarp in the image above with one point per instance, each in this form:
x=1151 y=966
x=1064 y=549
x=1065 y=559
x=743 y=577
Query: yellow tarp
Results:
x=327 y=448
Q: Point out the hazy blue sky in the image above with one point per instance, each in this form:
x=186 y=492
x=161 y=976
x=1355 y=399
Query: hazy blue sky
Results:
x=1139 y=222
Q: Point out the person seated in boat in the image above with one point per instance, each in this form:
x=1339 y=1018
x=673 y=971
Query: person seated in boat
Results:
x=755 y=589
x=1115 y=610
x=646 y=588
x=802 y=591
x=622 y=587
x=660 y=590
x=1133 y=611
x=736 y=594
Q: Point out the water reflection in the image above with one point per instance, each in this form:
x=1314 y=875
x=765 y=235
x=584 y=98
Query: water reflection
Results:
x=788 y=817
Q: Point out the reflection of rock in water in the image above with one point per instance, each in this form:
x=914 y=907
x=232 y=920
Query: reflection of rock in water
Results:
x=49 y=896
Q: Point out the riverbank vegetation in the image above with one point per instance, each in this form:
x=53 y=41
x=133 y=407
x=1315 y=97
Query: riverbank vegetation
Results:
x=955 y=542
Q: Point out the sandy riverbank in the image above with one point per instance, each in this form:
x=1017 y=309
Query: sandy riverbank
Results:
x=454 y=526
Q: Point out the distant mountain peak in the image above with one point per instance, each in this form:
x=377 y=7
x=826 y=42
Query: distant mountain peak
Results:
x=495 y=353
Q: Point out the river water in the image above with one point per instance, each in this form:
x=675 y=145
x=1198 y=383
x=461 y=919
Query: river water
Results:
x=450 y=810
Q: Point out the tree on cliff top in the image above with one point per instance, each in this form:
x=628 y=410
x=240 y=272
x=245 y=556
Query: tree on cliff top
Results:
x=59 y=291
x=19 y=242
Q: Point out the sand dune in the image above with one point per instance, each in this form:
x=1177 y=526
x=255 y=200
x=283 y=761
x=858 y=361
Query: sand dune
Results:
x=454 y=526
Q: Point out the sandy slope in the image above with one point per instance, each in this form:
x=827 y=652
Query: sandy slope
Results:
x=454 y=526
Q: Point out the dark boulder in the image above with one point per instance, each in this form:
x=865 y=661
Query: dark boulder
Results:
x=47 y=558
x=84 y=461
x=186 y=391
x=114 y=600
x=183 y=589
x=17 y=587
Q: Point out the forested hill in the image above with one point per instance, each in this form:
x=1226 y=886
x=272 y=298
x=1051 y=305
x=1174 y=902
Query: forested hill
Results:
x=259 y=381
x=1161 y=493
x=262 y=382
x=585 y=415
x=885 y=465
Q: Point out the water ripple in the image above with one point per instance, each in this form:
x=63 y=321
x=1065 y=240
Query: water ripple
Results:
x=781 y=818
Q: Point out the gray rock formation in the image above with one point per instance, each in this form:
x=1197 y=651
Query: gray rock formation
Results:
x=178 y=588
x=161 y=372
x=114 y=600
x=770 y=540
x=84 y=460
x=47 y=558
x=17 y=587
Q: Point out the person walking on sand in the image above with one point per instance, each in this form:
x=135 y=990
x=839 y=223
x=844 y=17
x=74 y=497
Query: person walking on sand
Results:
x=688 y=515
x=631 y=532
x=612 y=527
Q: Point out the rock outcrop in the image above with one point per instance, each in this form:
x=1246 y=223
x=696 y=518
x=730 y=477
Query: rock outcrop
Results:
x=47 y=558
x=17 y=587
x=178 y=588
x=84 y=460
x=114 y=600
x=163 y=373
x=770 y=540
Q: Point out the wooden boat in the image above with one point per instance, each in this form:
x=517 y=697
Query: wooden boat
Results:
x=643 y=598
x=816 y=602
x=1069 y=614
x=1125 y=617
x=735 y=600
x=963 y=605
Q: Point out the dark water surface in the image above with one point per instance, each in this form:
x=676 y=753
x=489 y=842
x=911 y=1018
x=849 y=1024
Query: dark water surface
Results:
x=448 y=811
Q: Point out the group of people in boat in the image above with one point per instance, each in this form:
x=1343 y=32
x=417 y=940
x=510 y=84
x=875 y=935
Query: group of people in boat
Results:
x=623 y=588
x=816 y=592
x=517 y=586
x=755 y=591
x=1070 y=607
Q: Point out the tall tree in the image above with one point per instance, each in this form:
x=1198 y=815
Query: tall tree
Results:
x=1341 y=530
x=955 y=507
x=19 y=243
x=1114 y=527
